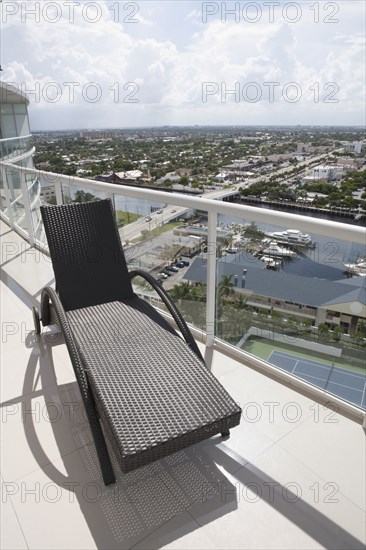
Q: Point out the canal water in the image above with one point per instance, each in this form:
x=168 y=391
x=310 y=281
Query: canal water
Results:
x=325 y=261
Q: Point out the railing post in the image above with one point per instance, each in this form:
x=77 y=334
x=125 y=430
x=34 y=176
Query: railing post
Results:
x=27 y=207
x=111 y=196
x=58 y=192
x=4 y=177
x=211 y=278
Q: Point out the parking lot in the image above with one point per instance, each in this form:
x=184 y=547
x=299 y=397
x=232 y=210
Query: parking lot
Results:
x=153 y=255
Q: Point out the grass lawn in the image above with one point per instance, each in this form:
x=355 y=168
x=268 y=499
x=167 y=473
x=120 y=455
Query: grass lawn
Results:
x=157 y=231
x=262 y=348
x=123 y=218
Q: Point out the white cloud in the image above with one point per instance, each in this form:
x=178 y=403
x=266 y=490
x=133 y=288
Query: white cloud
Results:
x=164 y=67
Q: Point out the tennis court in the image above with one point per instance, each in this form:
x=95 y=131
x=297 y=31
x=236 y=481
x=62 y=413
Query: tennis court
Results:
x=347 y=385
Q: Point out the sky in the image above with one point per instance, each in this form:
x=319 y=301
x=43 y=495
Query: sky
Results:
x=122 y=64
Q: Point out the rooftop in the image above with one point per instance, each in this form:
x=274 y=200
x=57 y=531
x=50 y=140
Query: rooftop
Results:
x=292 y=475
x=282 y=285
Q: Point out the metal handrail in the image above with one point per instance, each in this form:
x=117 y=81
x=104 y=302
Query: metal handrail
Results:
x=214 y=207
x=16 y=137
x=321 y=227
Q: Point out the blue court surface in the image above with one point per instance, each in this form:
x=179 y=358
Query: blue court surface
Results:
x=347 y=385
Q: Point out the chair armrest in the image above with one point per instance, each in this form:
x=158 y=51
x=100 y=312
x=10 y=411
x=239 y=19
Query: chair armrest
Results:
x=177 y=316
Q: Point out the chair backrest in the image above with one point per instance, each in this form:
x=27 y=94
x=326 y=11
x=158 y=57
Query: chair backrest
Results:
x=86 y=253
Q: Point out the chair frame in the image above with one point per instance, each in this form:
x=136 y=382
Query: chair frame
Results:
x=53 y=312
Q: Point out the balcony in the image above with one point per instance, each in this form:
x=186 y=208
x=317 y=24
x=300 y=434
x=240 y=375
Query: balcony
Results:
x=286 y=477
x=14 y=147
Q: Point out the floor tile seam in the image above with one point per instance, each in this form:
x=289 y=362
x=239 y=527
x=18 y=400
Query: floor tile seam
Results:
x=160 y=527
x=50 y=462
x=206 y=534
x=322 y=478
x=14 y=400
x=17 y=518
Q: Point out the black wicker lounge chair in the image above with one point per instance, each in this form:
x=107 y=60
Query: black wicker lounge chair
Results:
x=147 y=387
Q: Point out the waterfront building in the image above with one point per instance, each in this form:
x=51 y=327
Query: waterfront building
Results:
x=339 y=303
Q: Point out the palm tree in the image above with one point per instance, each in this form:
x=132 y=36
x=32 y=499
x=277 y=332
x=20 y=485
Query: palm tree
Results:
x=224 y=290
x=225 y=286
x=198 y=292
x=181 y=291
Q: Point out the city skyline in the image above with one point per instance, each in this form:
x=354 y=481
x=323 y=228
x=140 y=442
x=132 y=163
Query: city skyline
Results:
x=94 y=65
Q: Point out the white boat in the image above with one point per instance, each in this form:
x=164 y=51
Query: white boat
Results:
x=358 y=268
x=292 y=237
x=271 y=263
x=274 y=249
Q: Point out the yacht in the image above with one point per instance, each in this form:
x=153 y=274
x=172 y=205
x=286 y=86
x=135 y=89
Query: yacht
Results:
x=273 y=249
x=292 y=237
x=357 y=268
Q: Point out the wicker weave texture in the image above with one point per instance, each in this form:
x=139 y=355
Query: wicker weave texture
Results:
x=86 y=252
x=151 y=389
x=153 y=394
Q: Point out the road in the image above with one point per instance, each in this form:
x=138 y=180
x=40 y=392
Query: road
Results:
x=169 y=213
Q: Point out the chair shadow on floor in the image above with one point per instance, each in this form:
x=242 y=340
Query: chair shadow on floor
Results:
x=159 y=503
x=140 y=502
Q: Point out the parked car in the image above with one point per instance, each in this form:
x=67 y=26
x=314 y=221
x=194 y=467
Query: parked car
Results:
x=148 y=218
x=179 y=264
x=163 y=275
x=184 y=262
x=171 y=269
x=167 y=272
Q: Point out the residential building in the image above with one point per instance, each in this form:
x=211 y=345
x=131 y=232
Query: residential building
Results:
x=326 y=172
x=352 y=147
x=48 y=193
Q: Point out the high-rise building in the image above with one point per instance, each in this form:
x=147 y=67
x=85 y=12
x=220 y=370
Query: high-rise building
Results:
x=19 y=192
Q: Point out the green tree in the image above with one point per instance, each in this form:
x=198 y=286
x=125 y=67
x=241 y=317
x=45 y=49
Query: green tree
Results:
x=180 y=291
x=83 y=196
x=224 y=290
x=337 y=333
x=323 y=331
x=252 y=231
x=184 y=180
x=361 y=328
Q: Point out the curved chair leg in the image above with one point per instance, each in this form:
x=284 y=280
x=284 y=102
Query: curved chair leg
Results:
x=50 y=299
x=100 y=445
x=36 y=320
x=45 y=309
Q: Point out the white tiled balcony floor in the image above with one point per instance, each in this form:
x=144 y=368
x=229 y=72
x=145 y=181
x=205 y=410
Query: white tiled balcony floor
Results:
x=292 y=475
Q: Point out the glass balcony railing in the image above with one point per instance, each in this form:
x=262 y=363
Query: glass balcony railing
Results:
x=13 y=147
x=20 y=192
x=280 y=291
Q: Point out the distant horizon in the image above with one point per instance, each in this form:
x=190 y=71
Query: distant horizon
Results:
x=167 y=126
